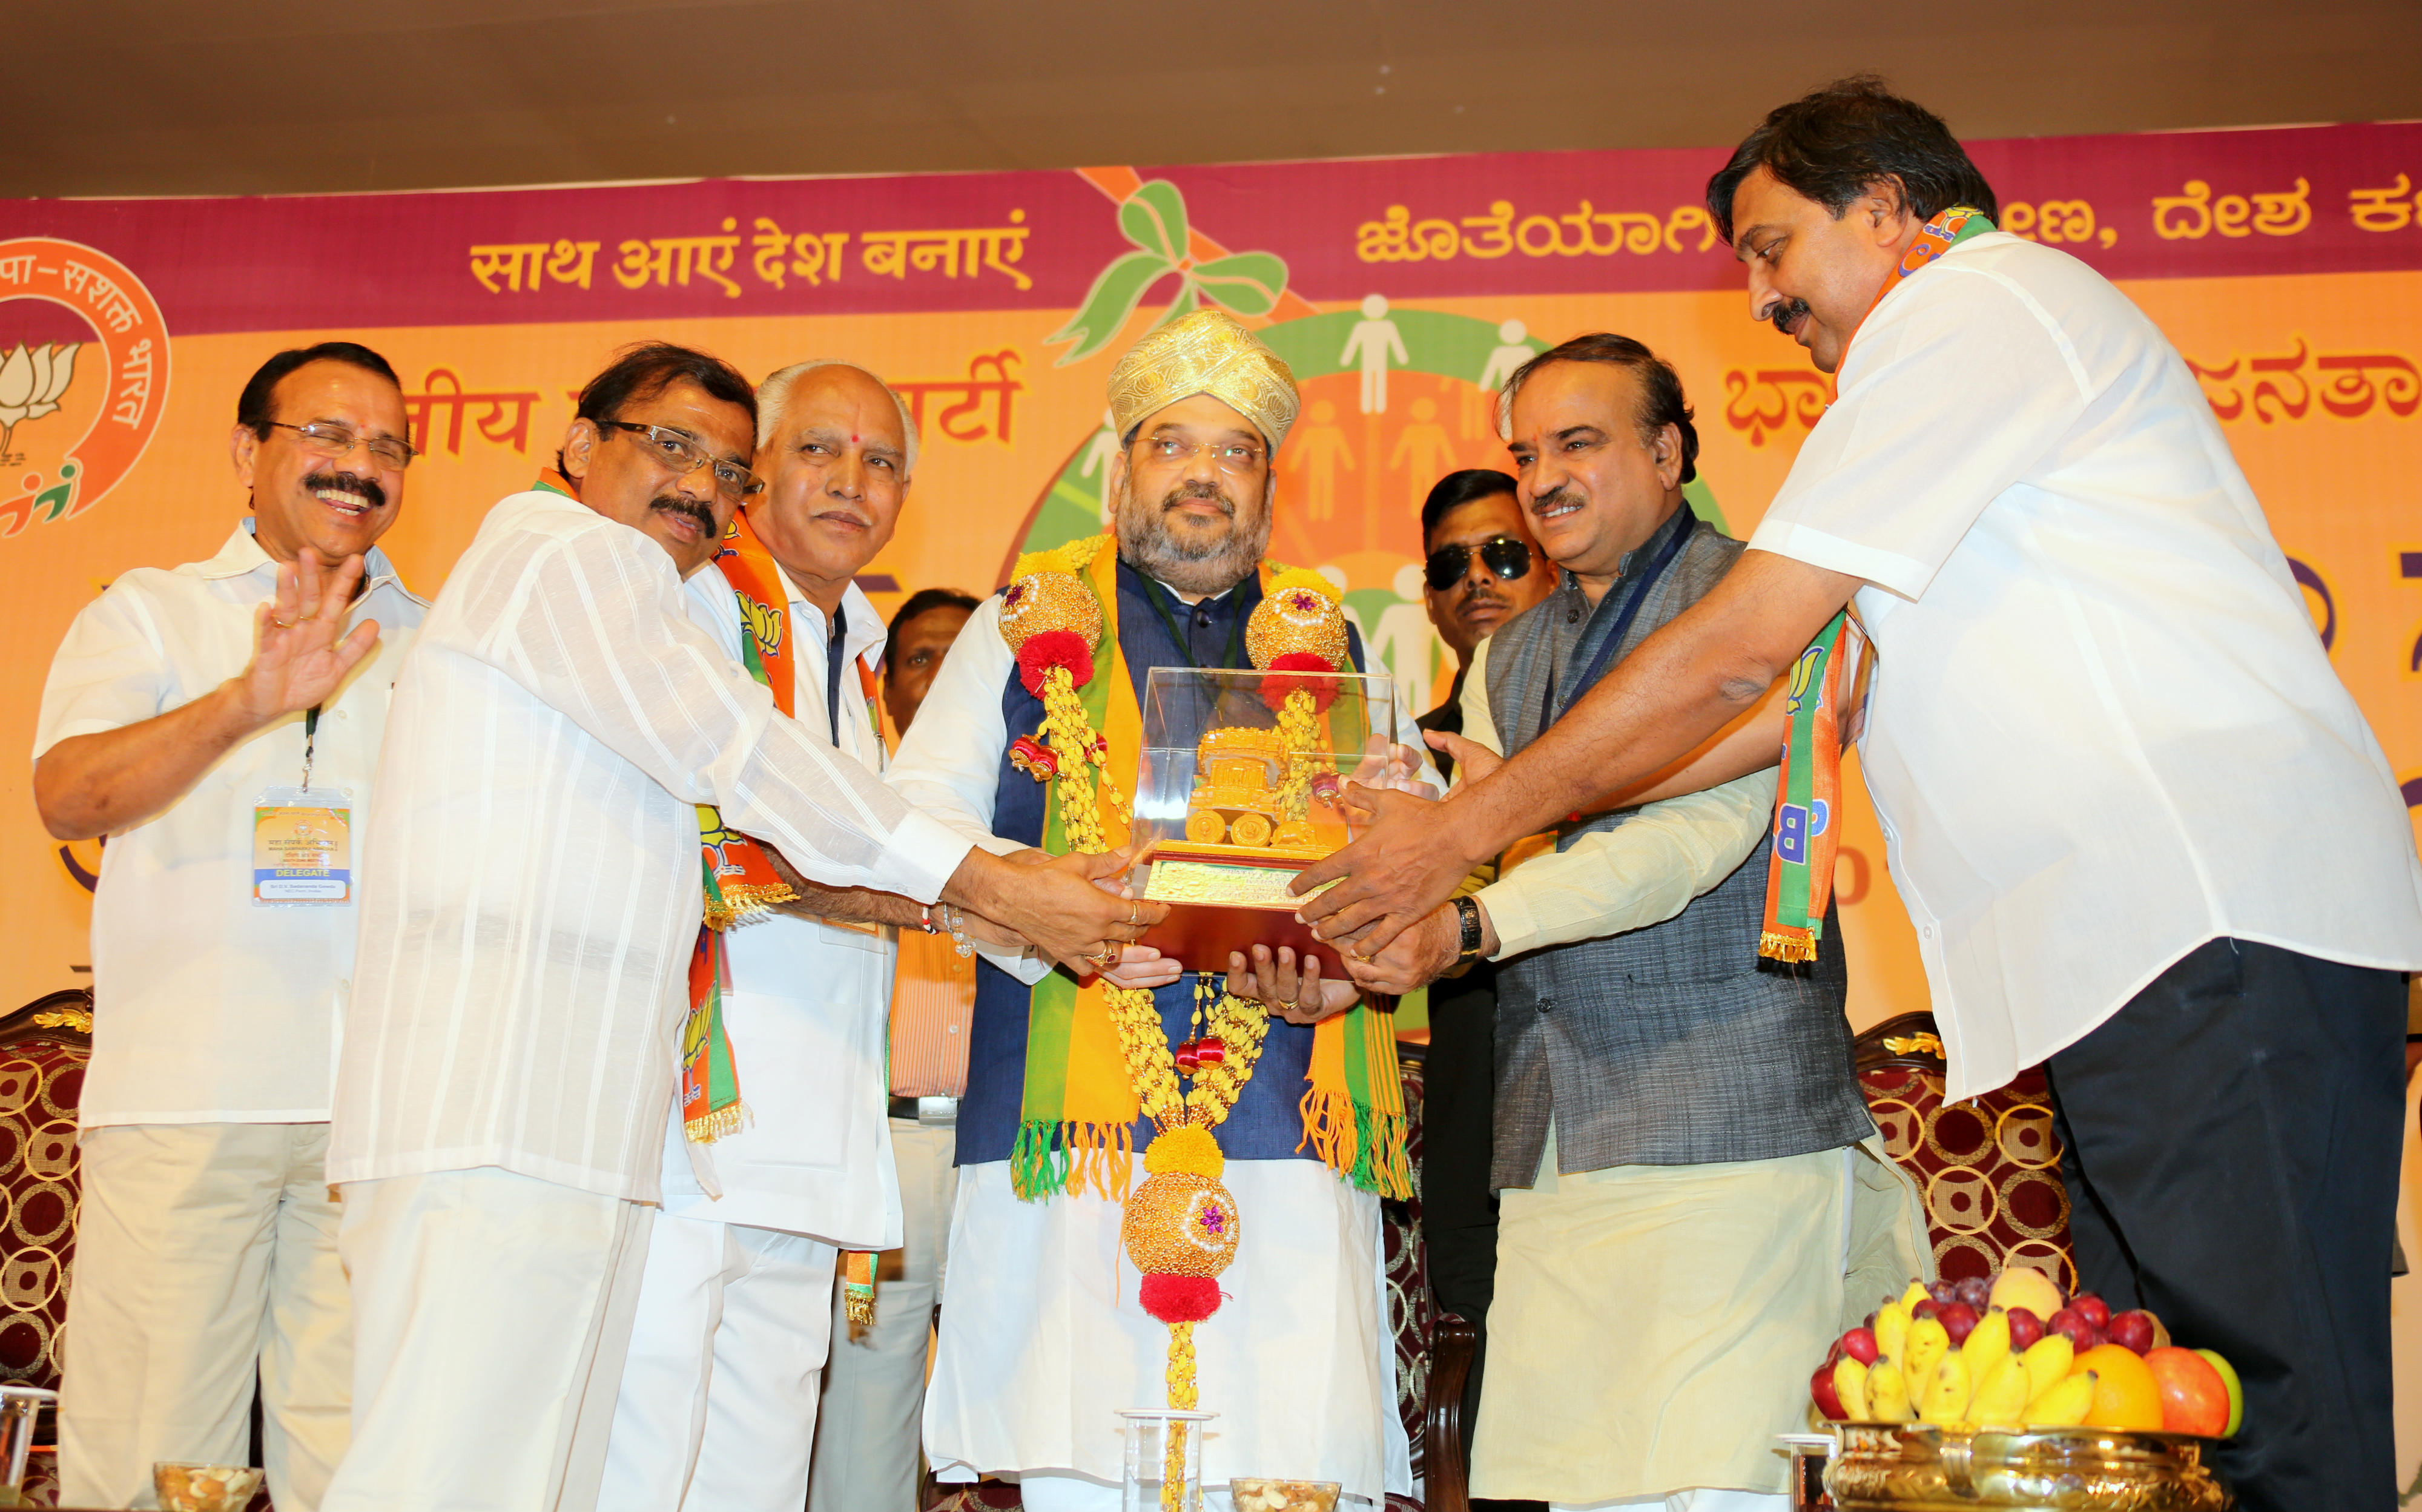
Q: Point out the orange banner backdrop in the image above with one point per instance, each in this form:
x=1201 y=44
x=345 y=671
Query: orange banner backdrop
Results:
x=2286 y=265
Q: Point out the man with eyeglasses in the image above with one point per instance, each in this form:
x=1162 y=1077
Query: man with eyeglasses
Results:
x=1039 y=1345
x=219 y=724
x=719 y=1395
x=1680 y=1141
x=577 y=777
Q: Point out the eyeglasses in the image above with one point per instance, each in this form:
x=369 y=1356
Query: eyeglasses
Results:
x=686 y=455
x=1505 y=556
x=1236 y=457
x=329 y=439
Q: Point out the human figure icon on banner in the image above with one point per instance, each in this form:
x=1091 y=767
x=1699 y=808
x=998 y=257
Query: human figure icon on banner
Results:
x=1317 y=449
x=1513 y=349
x=1375 y=339
x=1425 y=451
x=1406 y=640
x=1098 y=453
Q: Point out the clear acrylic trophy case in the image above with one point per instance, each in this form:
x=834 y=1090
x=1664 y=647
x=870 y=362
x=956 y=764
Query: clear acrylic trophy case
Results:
x=1238 y=789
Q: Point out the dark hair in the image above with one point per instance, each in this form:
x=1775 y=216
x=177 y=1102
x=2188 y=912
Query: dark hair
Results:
x=1833 y=146
x=252 y=405
x=1456 y=489
x=1660 y=388
x=647 y=369
x=924 y=601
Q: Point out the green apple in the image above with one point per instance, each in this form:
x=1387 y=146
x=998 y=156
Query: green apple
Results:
x=2236 y=1392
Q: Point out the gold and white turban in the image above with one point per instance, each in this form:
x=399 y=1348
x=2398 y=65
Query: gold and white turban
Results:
x=1210 y=353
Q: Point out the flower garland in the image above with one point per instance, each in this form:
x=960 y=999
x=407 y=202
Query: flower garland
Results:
x=1180 y=1226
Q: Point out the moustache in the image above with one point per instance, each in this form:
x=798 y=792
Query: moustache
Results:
x=675 y=504
x=1559 y=494
x=1787 y=314
x=364 y=489
x=1196 y=489
x=1476 y=598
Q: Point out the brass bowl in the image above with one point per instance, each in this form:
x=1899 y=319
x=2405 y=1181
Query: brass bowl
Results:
x=1919 y=1467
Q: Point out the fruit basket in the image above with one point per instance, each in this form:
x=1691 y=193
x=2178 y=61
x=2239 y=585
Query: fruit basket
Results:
x=2002 y=1391
x=1921 y=1467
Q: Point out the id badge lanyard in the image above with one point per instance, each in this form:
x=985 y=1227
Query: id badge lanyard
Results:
x=303 y=839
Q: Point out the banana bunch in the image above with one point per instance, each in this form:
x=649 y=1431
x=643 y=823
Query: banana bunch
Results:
x=1917 y=1374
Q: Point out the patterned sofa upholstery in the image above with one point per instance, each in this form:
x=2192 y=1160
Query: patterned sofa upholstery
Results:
x=1410 y=1307
x=43 y=1046
x=1990 y=1168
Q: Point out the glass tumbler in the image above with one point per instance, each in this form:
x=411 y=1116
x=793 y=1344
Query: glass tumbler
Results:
x=1164 y=1464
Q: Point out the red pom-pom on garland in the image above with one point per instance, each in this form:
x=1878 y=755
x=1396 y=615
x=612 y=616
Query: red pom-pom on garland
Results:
x=1047 y=649
x=1323 y=688
x=1179 y=1299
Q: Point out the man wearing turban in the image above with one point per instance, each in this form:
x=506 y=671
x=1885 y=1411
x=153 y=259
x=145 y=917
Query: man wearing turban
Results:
x=1044 y=1332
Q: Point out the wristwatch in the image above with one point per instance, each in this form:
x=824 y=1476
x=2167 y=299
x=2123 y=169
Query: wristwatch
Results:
x=1468 y=947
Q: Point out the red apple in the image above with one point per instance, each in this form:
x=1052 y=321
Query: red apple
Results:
x=1859 y=1345
x=2025 y=1329
x=1957 y=1320
x=1831 y=1355
x=2093 y=1309
x=1928 y=1308
x=2134 y=1329
x=2193 y=1397
x=1828 y=1401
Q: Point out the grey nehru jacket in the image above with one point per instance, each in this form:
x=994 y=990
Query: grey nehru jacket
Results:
x=1675 y=1044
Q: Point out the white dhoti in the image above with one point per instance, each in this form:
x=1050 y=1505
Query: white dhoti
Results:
x=490 y=1315
x=718 y=1398
x=1042 y=1341
x=200 y=1249
x=1655 y=1326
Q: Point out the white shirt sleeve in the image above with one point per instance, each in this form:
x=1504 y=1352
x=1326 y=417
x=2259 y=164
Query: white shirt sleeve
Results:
x=1957 y=385
x=1640 y=872
x=111 y=671
x=949 y=763
x=594 y=622
x=1479 y=724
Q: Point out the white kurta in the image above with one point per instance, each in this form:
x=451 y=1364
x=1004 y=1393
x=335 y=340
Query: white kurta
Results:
x=2103 y=730
x=209 y=1008
x=1043 y=1342
x=808 y=1008
x=533 y=898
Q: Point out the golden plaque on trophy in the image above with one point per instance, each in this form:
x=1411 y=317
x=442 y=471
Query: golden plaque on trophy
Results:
x=1241 y=785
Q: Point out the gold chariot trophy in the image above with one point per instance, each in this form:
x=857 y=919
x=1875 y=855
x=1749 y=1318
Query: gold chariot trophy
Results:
x=1241 y=779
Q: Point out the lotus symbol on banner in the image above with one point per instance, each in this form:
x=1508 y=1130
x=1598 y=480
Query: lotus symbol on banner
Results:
x=31 y=383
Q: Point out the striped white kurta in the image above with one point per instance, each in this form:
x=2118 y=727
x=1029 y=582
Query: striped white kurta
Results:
x=533 y=896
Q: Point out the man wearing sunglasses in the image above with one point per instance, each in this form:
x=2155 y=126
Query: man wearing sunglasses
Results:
x=576 y=777
x=183 y=708
x=1481 y=568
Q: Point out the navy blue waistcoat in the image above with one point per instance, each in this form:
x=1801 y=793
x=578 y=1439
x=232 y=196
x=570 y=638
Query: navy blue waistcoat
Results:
x=1267 y=1122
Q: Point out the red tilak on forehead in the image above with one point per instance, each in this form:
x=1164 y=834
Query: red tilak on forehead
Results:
x=853 y=439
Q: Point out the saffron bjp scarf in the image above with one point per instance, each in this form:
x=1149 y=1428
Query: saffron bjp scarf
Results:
x=1075 y=1124
x=1807 y=800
